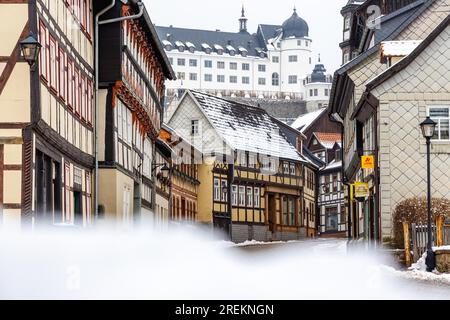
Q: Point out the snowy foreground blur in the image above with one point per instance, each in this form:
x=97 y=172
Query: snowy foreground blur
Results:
x=190 y=264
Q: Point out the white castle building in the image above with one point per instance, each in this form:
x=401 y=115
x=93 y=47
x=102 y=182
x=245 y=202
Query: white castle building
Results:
x=273 y=63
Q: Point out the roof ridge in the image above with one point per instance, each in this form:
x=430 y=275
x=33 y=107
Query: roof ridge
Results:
x=230 y=101
x=203 y=30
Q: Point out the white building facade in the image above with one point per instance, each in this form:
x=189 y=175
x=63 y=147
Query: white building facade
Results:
x=271 y=63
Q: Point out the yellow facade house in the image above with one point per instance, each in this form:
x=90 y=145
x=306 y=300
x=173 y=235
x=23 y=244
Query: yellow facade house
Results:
x=184 y=177
x=253 y=182
x=46 y=116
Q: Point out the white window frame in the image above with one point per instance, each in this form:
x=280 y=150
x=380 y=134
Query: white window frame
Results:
x=256 y=196
x=242 y=196
x=249 y=194
x=223 y=190
x=251 y=161
x=234 y=195
x=216 y=189
x=286 y=167
x=292 y=169
x=438 y=120
x=195 y=126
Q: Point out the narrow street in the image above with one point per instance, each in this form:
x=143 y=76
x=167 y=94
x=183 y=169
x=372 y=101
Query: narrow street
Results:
x=411 y=282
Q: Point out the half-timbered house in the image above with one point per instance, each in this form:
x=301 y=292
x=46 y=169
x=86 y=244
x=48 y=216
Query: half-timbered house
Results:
x=254 y=184
x=370 y=130
x=132 y=71
x=46 y=117
x=184 y=176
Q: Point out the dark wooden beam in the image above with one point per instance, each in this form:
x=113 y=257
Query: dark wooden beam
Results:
x=12 y=59
x=13 y=1
x=2 y=157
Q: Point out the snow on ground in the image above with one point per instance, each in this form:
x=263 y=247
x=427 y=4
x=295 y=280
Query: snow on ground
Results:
x=193 y=265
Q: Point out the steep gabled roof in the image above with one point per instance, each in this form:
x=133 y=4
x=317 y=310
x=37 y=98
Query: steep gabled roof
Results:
x=327 y=140
x=167 y=67
x=305 y=121
x=312 y=158
x=199 y=37
x=332 y=166
x=391 y=26
x=245 y=128
x=402 y=64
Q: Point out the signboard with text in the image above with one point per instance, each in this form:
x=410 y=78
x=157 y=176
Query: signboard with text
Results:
x=367 y=162
x=361 y=190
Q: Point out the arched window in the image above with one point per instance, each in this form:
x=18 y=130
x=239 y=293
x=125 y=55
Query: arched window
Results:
x=275 y=79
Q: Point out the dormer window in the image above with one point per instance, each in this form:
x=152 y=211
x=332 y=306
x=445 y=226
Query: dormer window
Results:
x=206 y=48
x=231 y=50
x=243 y=51
x=346 y=28
x=167 y=45
x=219 y=49
x=190 y=47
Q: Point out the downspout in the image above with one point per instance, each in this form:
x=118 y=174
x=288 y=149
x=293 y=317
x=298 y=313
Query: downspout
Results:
x=377 y=210
x=343 y=178
x=97 y=23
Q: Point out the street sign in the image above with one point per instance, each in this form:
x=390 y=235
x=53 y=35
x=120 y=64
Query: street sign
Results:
x=367 y=162
x=361 y=190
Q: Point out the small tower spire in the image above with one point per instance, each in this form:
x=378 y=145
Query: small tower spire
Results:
x=319 y=57
x=243 y=21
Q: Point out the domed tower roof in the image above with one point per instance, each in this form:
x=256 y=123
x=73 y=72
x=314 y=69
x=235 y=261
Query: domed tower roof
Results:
x=318 y=74
x=295 y=27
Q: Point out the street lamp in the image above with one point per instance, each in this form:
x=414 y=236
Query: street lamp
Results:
x=165 y=170
x=428 y=127
x=30 y=49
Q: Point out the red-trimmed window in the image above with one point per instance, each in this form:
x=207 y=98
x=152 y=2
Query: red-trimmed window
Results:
x=62 y=75
x=89 y=17
x=83 y=14
x=76 y=91
x=83 y=97
x=89 y=102
x=70 y=82
x=67 y=192
x=43 y=54
x=78 y=10
x=52 y=53
x=88 y=196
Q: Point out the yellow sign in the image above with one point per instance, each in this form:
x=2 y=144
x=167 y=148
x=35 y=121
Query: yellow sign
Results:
x=361 y=190
x=367 y=162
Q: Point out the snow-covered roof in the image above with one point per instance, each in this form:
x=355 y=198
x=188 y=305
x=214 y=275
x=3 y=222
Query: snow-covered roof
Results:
x=304 y=121
x=327 y=140
x=246 y=128
x=332 y=165
x=230 y=48
x=398 y=48
x=179 y=44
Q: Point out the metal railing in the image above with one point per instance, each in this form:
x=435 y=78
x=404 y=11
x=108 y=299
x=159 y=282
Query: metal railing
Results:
x=419 y=239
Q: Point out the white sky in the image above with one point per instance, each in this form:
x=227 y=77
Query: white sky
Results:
x=323 y=17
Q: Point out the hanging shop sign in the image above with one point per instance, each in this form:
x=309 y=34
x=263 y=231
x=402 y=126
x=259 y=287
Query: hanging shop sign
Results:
x=361 y=190
x=367 y=162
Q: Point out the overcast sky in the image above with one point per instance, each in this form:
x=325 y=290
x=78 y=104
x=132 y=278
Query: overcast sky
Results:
x=322 y=16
